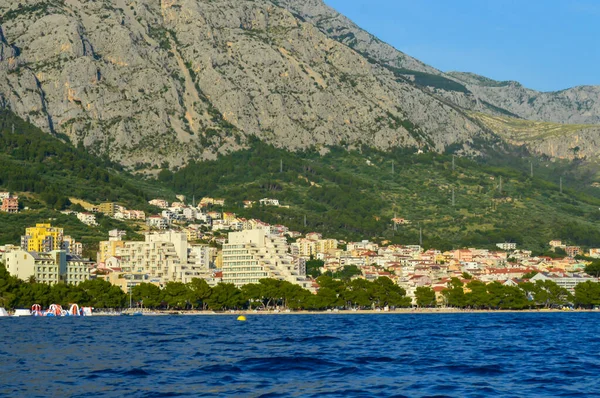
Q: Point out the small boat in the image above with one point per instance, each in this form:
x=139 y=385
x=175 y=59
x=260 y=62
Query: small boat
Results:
x=3 y=312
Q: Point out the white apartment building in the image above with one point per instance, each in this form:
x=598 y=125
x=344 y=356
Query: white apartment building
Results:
x=363 y=245
x=269 y=202
x=50 y=268
x=199 y=263
x=190 y=213
x=77 y=269
x=507 y=246
x=568 y=282
x=42 y=266
x=309 y=247
x=164 y=257
x=71 y=246
x=115 y=235
x=157 y=222
x=87 y=218
x=149 y=260
x=252 y=255
x=130 y=215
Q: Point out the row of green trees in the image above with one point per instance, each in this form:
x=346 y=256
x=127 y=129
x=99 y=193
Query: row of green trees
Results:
x=272 y=294
x=15 y=293
x=538 y=294
x=267 y=294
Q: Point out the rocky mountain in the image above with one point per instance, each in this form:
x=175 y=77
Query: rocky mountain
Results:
x=498 y=105
x=151 y=81
x=577 y=105
x=342 y=29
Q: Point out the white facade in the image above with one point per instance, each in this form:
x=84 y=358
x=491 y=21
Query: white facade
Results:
x=199 y=263
x=269 y=202
x=87 y=218
x=157 y=222
x=156 y=260
x=164 y=257
x=130 y=215
x=252 y=255
x=71 y=246
x=49 y=268
x=568 y=282
x=190 y=213
x=507 y=246
x=309 y=247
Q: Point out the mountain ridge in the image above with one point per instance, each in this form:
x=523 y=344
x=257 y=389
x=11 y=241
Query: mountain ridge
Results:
x=148 y=83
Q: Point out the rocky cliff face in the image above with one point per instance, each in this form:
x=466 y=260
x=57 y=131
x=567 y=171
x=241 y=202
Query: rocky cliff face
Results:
x=340 y=28
x=150 y=81
x=577 y=105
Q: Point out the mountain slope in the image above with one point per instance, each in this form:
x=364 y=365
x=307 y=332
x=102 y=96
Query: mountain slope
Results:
x=150 y=82
x=355 y=194
x=569 y=141
x=174 y=80
x=51 y=171
x=46 y=172
x=340 y=28
x=577 y=105
x=346 y=193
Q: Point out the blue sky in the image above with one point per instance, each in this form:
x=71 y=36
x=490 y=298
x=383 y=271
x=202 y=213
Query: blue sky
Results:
x=546 y=45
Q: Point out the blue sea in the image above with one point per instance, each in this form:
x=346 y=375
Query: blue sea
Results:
x=402 y=355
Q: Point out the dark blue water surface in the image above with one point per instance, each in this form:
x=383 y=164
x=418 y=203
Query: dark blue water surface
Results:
x=454 y=355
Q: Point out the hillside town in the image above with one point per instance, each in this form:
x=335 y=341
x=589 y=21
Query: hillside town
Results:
x=184 y=242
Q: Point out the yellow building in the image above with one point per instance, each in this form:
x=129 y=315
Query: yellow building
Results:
x=229 y=217
x=42 y=238
x=219 y=260
x=108 y=249
x=325 y=245
x=108 y=208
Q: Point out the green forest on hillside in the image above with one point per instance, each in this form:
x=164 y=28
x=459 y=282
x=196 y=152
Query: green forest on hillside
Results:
x=346 y=194
x=46 y=171
x=354 y=195
x=36 y=162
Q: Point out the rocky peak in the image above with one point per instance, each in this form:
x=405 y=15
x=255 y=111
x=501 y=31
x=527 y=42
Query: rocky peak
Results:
x=146 y=82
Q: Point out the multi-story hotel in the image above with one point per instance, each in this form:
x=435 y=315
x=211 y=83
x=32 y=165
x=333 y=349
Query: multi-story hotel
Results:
x=252 y=255
x=50 y=268
x=162 y=257
x=310 y=247
x=42 y=238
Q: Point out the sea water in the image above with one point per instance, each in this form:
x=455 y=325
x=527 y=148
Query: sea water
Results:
x=441 y=355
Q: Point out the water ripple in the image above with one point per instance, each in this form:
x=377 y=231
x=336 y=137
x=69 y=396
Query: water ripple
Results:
x=442 y=355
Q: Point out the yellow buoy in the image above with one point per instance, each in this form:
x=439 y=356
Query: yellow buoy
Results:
x=241 y=318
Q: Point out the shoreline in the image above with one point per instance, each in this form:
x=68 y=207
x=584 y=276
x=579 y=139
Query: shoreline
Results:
x=424 y=311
